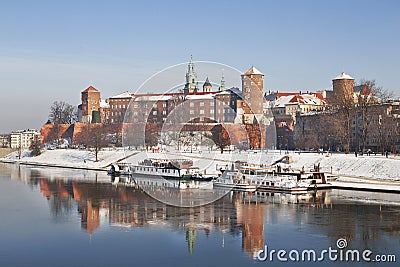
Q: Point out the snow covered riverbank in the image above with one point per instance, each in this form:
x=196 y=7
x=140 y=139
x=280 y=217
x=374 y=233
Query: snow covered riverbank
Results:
x=370 y=167
x=71 y=158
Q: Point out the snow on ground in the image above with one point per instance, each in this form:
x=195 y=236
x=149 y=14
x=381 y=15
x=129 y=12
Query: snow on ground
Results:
x=73 y=157
x=375 y=167
x=370 y=167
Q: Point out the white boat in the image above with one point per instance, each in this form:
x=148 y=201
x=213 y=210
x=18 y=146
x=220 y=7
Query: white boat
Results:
x=167 y=169
x=183 y=185
x=158 y=183
x=293 y=182
x=235 y=180
x=281 y=183
x=260 y=178
x=119 y=169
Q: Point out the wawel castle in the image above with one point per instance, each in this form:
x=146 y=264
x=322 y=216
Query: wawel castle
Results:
x=249 y=107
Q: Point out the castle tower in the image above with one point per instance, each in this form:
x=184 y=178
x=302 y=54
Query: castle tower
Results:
x=207 y=87
x=343 y=87
x=191 y=85
x=90 y=102
x=252 y=91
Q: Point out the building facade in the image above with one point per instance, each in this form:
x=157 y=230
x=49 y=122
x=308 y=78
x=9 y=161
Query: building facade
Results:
x=117 y=107
x=24 y=138
x=5 y=140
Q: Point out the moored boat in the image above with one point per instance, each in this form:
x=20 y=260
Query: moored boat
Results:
x=261 y=178
x=159 y=168
x=235 y=180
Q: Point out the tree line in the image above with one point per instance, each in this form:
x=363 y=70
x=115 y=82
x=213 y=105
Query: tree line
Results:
x=352 y=123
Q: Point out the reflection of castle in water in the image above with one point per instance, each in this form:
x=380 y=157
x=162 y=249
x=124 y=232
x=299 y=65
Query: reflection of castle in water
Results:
x=237 y=213
x=130 y=207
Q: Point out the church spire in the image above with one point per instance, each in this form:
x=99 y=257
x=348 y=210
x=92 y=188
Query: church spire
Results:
x=191 y=85
x=222 y=86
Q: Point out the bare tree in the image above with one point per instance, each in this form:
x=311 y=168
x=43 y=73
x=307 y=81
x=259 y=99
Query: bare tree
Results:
x=220 y=137
x=344 y=111
x=35 y=147
x=383 y=95
x=96 y=139
x=151 y=137
x=368 y=97
x=62 y=113
x=388 y=132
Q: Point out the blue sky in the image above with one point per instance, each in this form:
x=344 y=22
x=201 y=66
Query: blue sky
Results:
x=52 y=50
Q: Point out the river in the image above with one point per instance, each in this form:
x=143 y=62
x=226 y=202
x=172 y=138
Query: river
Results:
x=64 y=217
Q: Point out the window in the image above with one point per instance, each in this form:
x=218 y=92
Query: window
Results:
x=201 y=111
x=164 y=105
x=201 y=104
x=154 y=112
x=211 y=104
x=191 y=104
x=211 y=111
x=191 y=112
x=164 y=112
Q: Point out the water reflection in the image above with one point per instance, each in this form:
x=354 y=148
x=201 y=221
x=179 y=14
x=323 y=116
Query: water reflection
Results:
x=332 y=214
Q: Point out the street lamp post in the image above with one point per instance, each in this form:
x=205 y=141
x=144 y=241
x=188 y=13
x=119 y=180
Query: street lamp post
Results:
x=280 y=137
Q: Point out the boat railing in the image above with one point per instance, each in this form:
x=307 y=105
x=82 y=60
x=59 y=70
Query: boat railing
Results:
x=164 y=163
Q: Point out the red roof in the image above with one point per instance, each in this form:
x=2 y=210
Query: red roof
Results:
x=297 y=99
x=90 y=89
x=319 y=95
x=253 y=70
